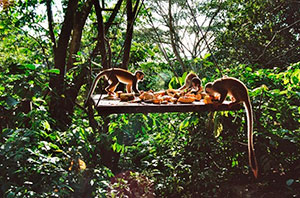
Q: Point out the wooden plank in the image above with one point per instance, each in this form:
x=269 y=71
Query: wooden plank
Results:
x=106 y=107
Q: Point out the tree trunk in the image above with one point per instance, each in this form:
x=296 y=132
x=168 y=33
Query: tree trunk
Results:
x=56 y=108
x=130 y=21
x=50 y=24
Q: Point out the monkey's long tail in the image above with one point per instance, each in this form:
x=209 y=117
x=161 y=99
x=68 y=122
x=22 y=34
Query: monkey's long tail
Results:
x=94 y=85
x=251 y=152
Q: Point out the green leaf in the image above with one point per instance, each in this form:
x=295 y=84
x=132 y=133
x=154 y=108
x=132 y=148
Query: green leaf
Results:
x=82 y=133
x=171 y=83
x=182 y=79
x=207 y=55
x=234 y=162
x=54 y=146
x=30 y=66
x=54 y=71
x=46 y=125
x=283 y=92
x=218 y=127
x=249 y=69
x=184 y=124
x=119 y=148
x=170 y=166
x=295 y=79
x=114 y=146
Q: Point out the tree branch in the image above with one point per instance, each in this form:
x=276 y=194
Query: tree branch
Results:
x=172 y=37
x=159 y=43
x=101 y=35
x=64 y=37
x=50 y=23
x=79 y=22
x=273 y=38
x=206 y=42
x=113 y=16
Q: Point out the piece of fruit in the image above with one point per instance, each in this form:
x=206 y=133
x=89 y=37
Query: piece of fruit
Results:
x=184 y=99
x=198 y=97
x=167 y=98
x=207 y=100
x=126 y=96
x=147 y=96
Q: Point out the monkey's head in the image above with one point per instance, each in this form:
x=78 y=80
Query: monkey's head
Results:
x=139 y=75
x=189 y=77
x=196 y=83
x=209 y=89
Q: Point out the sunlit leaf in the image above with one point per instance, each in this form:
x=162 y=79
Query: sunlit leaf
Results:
x=218 y=127
x=184 y=124
x=82 y=133
x=46 y=125
x=248 y=69
x=54 y=71
x=30 y=66
x=206 y=56
x=82 y=165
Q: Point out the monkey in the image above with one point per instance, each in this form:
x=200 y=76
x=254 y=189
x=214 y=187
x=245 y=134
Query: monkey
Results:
x=188 y=81
x=116 y=75
x=196 y=85
x=239 y=94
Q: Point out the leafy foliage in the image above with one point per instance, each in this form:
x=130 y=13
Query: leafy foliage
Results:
x=260 y=32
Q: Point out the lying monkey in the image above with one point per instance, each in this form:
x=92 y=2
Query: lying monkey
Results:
x=239 y=94
x=114 y=77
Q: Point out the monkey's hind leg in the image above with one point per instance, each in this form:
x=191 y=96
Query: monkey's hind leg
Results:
x=110 y=89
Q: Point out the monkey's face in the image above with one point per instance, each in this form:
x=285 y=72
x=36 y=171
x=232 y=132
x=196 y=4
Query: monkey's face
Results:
x=140 y=76
x=196 y=86
x=209 y=91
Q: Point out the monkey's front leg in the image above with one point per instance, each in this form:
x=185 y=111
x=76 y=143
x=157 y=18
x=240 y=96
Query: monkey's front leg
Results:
x=129 y=88
x=222 y=95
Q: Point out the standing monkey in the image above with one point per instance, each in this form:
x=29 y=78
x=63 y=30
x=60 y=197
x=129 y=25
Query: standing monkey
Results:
x=114 y=77
x=239 y=94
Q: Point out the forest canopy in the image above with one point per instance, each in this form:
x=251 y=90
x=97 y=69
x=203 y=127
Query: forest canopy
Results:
x=52 y=145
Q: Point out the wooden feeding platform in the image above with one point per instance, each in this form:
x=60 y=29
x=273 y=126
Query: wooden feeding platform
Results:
x=106 y=107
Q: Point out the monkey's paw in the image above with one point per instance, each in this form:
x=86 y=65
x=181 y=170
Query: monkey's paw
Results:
x=111 y=93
